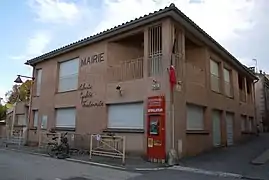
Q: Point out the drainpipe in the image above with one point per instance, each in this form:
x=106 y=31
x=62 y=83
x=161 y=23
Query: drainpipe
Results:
x=255 y=108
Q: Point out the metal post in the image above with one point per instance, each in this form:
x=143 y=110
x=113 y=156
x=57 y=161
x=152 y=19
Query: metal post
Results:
x=29 y=112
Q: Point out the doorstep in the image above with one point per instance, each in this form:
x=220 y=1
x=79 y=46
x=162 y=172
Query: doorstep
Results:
x=131 y=163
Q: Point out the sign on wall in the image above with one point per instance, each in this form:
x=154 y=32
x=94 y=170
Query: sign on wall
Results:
x=96 y=58
x=86 y=96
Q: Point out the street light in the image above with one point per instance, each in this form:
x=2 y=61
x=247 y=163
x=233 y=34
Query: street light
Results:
x=19 y=81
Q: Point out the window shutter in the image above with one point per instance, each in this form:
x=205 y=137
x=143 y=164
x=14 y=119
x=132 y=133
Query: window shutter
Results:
x=66 y=118
x=68 y=75
x=38 y=81
x=195 y=117
x=35 y=118
x=214 y=68
x=126 y=116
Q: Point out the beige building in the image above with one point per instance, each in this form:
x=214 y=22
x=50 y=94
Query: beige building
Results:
x=102 y=84
x=17 y=116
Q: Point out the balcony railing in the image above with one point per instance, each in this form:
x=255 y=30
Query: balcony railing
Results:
x=126 y=70
x=155 y=66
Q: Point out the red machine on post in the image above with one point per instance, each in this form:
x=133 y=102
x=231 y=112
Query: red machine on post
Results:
x=156 y=129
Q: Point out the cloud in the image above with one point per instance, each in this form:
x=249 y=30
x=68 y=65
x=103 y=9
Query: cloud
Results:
x=36 y=45
x=55 y=11
x=219 y=18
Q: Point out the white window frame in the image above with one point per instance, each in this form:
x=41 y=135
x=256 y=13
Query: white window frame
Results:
x=38 y=81
x=195 y=121
x=71 y=115
x=124 y=122
x=215 y=75
x=35 y=118
x=68 y=74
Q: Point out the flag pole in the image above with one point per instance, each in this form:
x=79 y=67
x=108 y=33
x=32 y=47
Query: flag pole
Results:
x=172 y=94
x=172 y=76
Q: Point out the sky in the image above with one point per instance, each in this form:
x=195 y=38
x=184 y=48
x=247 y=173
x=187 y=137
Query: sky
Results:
x=30 y=28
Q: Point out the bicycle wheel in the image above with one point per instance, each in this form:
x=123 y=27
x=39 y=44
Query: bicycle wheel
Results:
x=51 y=150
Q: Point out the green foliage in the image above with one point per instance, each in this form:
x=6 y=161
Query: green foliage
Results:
x=3 y=110
x=19 y=92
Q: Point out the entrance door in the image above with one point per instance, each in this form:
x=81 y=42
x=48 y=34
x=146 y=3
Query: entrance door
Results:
x=216 y=116
x=229 y=129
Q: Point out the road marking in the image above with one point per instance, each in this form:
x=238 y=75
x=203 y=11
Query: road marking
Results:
x=58 y=179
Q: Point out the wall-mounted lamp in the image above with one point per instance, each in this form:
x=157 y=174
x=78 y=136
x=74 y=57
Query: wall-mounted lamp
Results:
x=179 y=86
x=155 y=85
x=118 y=88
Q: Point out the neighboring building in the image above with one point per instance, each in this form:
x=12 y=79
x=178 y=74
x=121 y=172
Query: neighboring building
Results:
x=105 y=83
x=262 y=100
x=17 y=116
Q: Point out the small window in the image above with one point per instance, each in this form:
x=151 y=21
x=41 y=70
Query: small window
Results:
x=35 y=115
x=227 y=82
x=251 y=124
x=68 y=75
x=38 y=81
x=244 y=123
x=21 y=120
x=44 y=122
x=195 y=117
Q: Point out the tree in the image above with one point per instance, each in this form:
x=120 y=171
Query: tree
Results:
x=19 y=92
x=3 y=110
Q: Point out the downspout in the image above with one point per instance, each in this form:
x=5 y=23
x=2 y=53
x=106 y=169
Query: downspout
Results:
x=255 y=107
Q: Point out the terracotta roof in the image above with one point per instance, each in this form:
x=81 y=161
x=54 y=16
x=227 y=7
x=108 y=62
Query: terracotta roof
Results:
x=109 y=32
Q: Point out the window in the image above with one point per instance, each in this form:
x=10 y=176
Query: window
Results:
x=244 y=124
x=155 y=50
x=38 y=81
x=241 y=85
x=251 y=124
x=35 y=115
x=66 y=118
x=195 y=117
x=44 y=122
x=21 y=120
x=227 y=82
x=126 y=116
x=68 y=75
x=249 y=90
x=215 y=79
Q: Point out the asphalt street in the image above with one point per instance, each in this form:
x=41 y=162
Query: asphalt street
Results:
x=22 y=166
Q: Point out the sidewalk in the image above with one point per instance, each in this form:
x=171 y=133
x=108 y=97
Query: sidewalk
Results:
x=236 y=159
x=131 y=163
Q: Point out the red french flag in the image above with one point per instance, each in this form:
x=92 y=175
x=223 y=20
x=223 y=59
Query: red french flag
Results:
x=172 y=76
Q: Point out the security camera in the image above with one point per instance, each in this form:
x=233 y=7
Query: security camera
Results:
x=118 y=87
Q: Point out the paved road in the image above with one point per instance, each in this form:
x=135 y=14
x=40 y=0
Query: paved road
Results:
x=21 y=166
